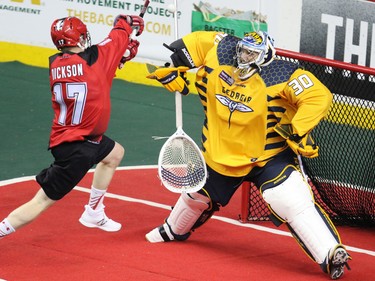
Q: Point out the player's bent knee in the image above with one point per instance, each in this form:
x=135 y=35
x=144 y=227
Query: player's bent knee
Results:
x=42 y=199
x=114 y=158
x=119 y=153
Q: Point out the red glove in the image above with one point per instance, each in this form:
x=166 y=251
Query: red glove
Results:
x=135 y=22
x=132 y=50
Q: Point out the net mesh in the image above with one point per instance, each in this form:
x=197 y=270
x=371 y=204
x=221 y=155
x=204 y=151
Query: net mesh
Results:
x=180 y=164
x=342 y=177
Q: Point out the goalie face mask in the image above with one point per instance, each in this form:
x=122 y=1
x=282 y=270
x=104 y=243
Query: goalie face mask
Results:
x=253 y=51
x=70 y=32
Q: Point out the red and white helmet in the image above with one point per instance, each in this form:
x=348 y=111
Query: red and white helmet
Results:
x=70 y=32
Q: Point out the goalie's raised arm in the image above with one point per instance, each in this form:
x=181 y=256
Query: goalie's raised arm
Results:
x=172 y=78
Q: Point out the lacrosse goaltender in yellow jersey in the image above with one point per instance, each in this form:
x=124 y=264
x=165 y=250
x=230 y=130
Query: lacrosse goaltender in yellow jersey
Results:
x=259 y=112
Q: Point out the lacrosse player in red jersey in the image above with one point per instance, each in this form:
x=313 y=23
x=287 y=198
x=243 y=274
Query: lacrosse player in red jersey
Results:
x=259 y=112
x=81 y=77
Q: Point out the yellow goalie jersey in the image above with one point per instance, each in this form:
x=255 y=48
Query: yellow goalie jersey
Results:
x=240 y=115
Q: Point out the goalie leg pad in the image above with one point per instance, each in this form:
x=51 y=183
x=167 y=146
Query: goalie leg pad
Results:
x=181 y=221
x=206 y=215
x=293 y=202
x=186 y=212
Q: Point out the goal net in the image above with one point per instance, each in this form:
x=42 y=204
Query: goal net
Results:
x=343 y=176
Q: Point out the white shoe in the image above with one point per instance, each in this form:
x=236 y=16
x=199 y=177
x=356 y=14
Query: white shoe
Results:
x=98 y=219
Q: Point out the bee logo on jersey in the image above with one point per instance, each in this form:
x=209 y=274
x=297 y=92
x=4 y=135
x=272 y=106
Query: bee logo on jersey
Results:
x=232 y=106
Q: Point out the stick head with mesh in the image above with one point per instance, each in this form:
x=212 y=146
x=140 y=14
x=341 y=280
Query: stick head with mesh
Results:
x=181 y=164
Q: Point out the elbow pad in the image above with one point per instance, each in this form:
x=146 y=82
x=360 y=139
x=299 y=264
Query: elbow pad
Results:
x=180 y=56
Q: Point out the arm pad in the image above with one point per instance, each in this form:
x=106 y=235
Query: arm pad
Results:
x=172 y=78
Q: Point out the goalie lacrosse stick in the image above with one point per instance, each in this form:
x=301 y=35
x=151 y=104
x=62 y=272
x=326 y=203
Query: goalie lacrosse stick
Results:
x=181 y=166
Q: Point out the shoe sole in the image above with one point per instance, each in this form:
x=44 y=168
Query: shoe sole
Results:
x=340 y=257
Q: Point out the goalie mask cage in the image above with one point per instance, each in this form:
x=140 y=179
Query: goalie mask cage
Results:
x=343 y=176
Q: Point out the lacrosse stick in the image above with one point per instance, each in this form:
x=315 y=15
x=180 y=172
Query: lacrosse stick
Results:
x=181 y=165
x=135 y=30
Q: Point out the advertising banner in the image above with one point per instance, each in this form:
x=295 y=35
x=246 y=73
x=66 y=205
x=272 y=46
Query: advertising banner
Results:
x=342 y=30
x=28 y=21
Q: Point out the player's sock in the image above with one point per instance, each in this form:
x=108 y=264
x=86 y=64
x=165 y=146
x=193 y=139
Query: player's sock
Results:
x=96 y=198
x=5 y=228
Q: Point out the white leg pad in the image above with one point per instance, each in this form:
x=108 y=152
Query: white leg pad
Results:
x=188 y=208
x=293 y=202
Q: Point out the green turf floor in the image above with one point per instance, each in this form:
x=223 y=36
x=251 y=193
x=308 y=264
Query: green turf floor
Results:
x=138 y=113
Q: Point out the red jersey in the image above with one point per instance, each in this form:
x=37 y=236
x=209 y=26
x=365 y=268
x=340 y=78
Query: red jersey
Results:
x=81 y=84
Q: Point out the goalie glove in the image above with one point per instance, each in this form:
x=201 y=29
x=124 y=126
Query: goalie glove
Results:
x=304 y=145
x=172 y=78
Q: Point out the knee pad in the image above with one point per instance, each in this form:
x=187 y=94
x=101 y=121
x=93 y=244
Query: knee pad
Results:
x=186 y=212
x=293 y=202
x=289 y=198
